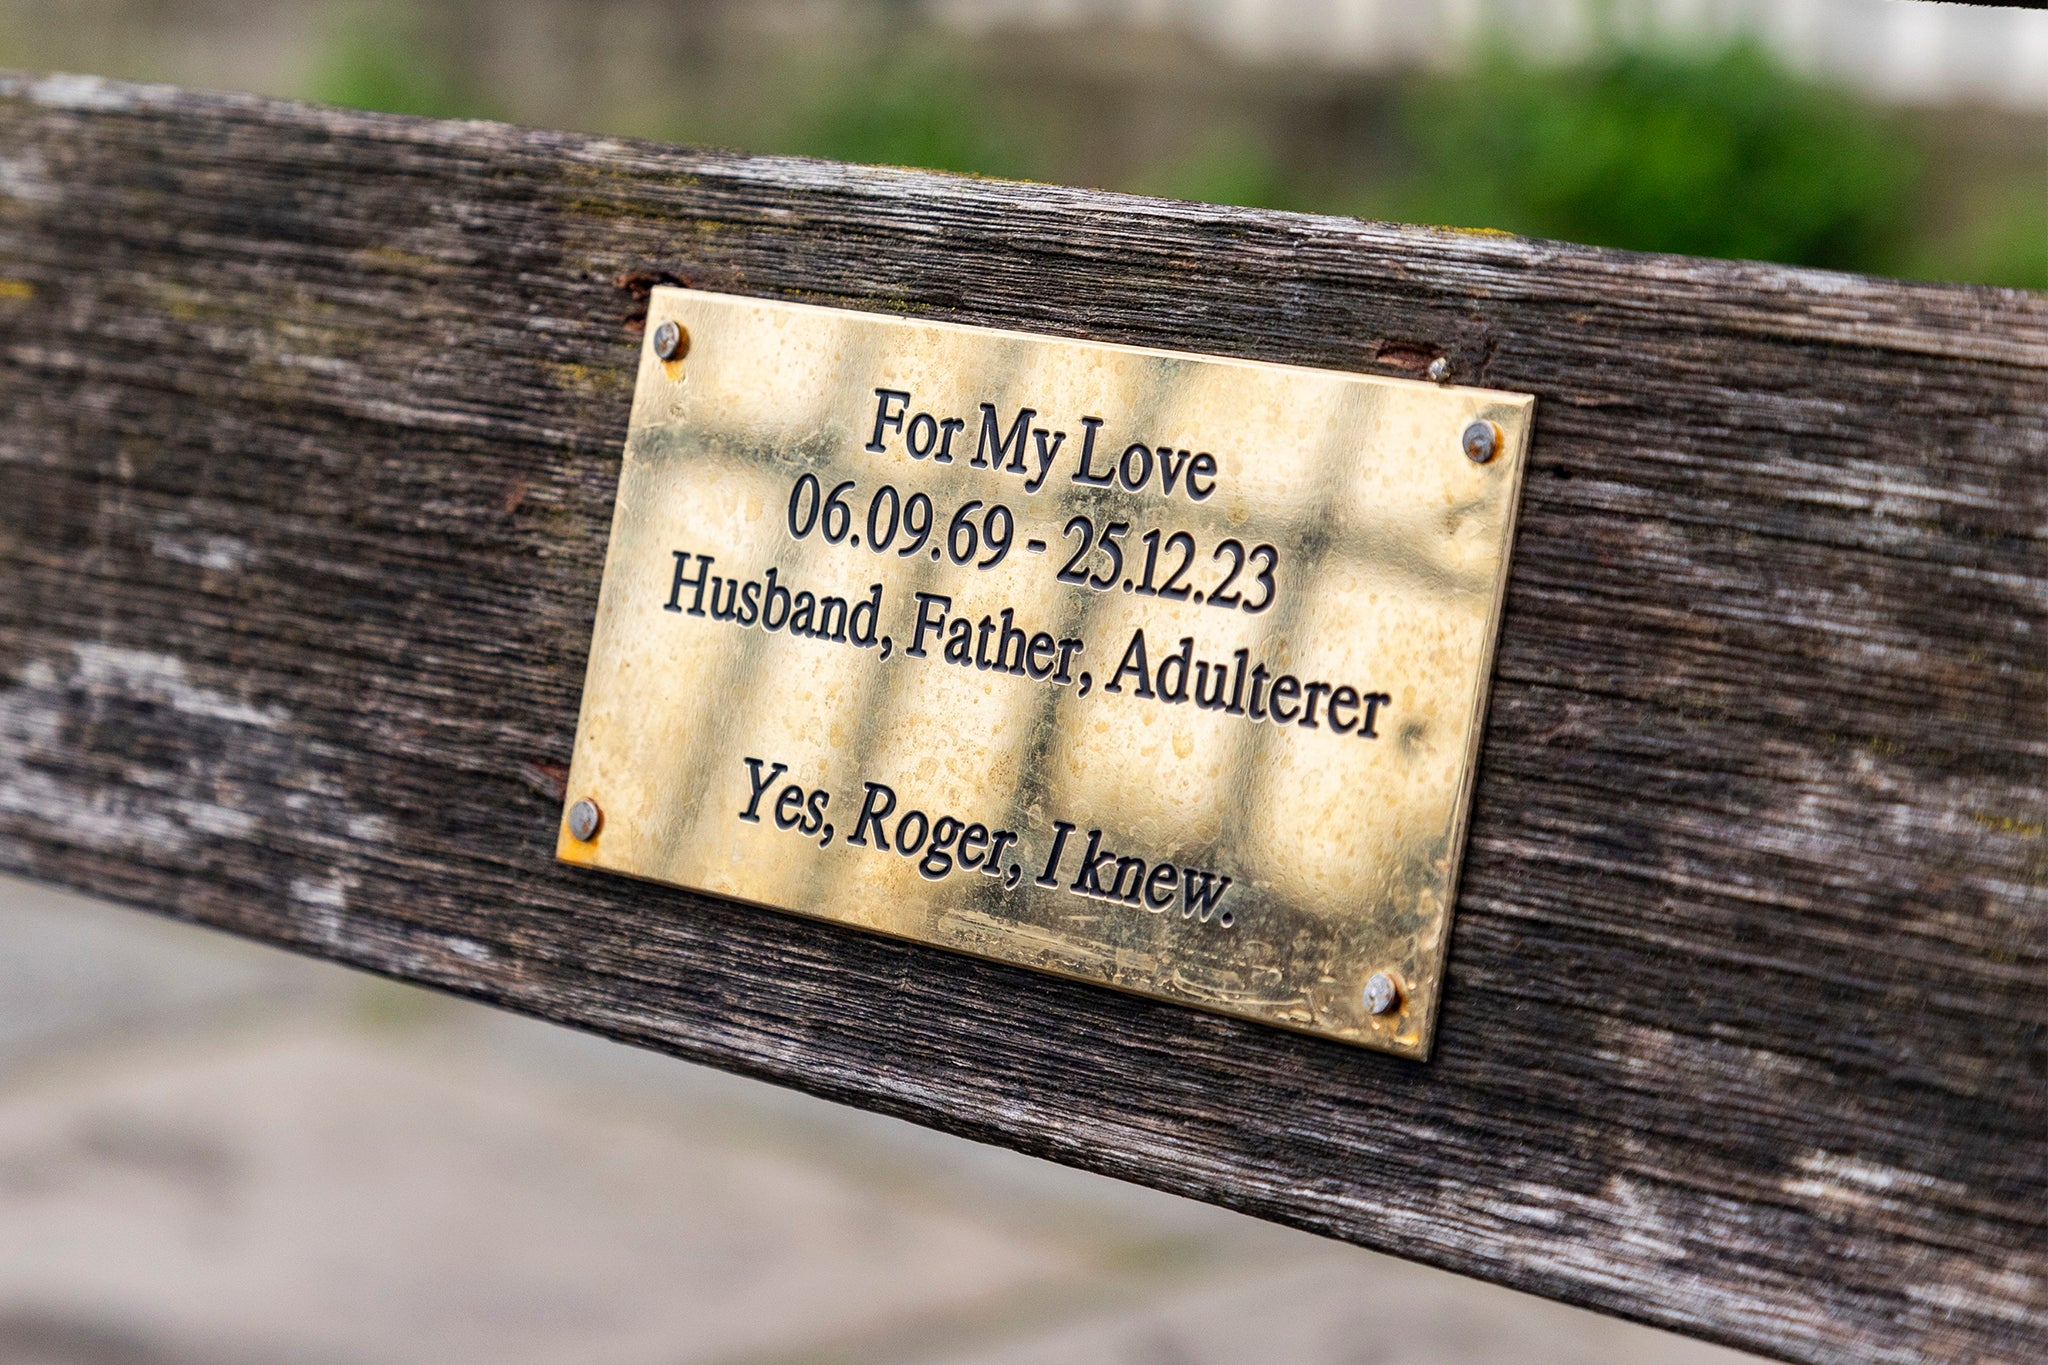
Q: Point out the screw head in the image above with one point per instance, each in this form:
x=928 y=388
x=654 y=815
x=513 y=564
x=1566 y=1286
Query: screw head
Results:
x=1481 y=441
x=584 y=819
x=669 y=341
x=1440 y=369
x=1382 y=992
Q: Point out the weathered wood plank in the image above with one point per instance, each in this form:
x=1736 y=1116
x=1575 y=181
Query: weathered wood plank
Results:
x=311 y=423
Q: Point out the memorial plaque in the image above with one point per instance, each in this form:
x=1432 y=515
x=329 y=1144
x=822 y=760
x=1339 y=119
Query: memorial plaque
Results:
x=1160 y=671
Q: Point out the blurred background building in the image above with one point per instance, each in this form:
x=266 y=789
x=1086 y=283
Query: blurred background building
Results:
x=1900 y=137
x=1917 y=53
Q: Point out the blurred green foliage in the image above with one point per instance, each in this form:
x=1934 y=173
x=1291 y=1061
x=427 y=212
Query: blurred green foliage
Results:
x=1721 y=154
x=383 y=59
x=1234 y=165
x=1706 y=152
x=928 y=112
x=2000 y=236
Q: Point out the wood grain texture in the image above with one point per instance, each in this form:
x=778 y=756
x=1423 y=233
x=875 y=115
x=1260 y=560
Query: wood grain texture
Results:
x=311 y=422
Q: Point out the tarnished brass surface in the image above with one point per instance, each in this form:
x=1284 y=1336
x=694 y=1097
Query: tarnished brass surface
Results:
x=1385 y=544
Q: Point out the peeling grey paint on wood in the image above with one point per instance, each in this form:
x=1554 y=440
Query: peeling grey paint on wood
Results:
x=311 y=421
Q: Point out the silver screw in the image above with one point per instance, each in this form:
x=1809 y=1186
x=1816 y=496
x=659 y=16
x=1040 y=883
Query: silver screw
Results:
x=584 y=819
x=1382 y=992
x=1481 y=441
x=668 y=341
x=1440 y=369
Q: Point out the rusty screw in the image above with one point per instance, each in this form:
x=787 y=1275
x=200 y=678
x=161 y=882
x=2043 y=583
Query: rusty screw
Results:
x=1382 y=992
x=1440 y=369
x=669 y=341
x=584 y=820
x=1481 y=441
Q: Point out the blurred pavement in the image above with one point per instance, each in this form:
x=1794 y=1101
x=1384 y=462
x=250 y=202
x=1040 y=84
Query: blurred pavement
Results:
x=212 y=1151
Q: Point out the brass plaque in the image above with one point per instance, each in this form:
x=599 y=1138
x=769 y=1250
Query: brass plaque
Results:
x=1156 y=670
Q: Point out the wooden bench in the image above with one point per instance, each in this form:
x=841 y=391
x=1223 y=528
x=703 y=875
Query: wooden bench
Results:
x=311 y=426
